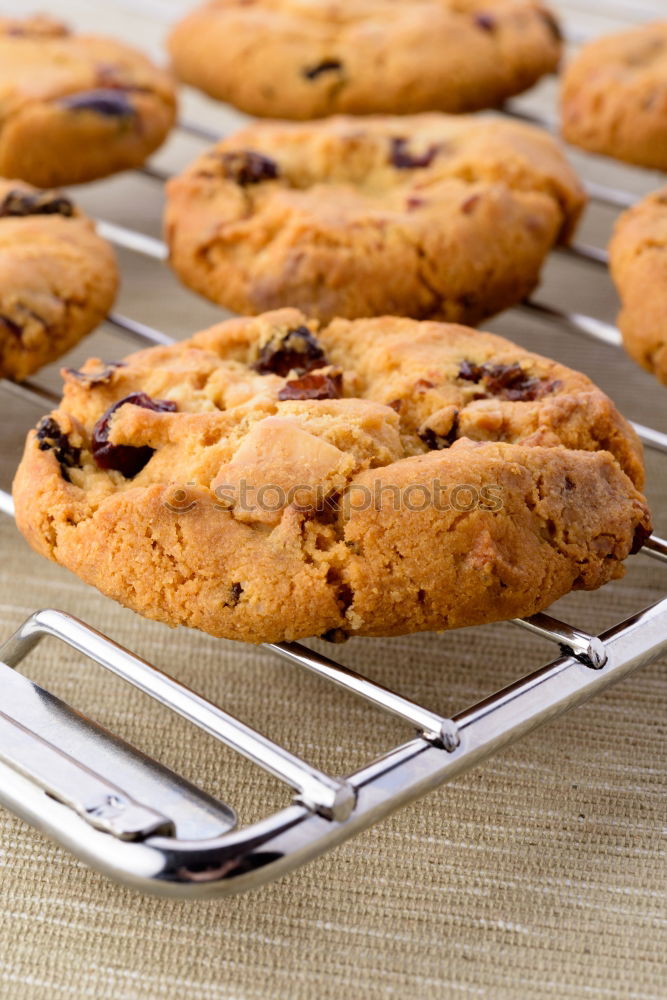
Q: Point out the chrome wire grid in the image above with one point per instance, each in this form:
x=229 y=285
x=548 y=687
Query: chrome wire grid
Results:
x=144 y=825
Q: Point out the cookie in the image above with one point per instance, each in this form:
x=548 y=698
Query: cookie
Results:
x=76 y=107
x=270 y=480
x=58 y=278
x=614 y=96
x=298 y=59
x=431 y=216
x=638 y=263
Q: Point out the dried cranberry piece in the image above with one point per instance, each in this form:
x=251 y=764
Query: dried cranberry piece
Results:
x=412 y=203
x=317 y=386
x=485 y=21
x=21 y=203
x=51 y=438
x=511 y=382
x=470 y=371
x=505 y=378
x=247 y=167
x=125 y=458
x=326 y=66
x=508 y=381
x=401 y=157
x=107 y=101
x=96 y=378
x=235 y=592
x=297 y=350
x=437 y=442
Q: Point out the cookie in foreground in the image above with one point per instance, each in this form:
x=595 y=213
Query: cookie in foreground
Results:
x=270 y=480
x=76 y=107
x=287 y=59
x=638 y=262
x=613 y=96
x=431 y=216
x=58 y=278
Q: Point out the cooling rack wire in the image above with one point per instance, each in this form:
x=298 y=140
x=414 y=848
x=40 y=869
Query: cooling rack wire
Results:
x=144 y=825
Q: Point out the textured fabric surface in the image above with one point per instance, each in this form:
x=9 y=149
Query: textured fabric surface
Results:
x=540 y=874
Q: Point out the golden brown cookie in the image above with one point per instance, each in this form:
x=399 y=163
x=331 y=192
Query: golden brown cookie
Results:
x=638 y=261
x=431 y=216
x=270 y=480
x=58 y=278
x=76 y=107
x=299 y=59
x=614 y=96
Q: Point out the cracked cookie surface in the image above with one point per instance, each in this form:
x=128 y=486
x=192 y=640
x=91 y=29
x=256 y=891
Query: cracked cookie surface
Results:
x=270 y=479
x=58 y=278
x=638 y=263
x=76 y=107
x=614 y=96
x=430 y=216
x=297 y=59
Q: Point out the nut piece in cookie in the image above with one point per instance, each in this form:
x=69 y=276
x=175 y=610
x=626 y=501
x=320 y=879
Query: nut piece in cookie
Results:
x=57 y=281
x=280 y=59
x=613 y=96
x=428 y=216
x=377 y=477
x=98 y=106
x=638 y=263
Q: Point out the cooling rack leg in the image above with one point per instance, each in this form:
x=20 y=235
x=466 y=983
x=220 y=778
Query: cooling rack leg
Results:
x=319 y=791
x=247 y=858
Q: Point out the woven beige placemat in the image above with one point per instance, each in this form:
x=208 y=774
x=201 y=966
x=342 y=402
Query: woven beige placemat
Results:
x=541 y=874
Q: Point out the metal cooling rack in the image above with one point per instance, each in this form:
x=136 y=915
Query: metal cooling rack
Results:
x=142 y=824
